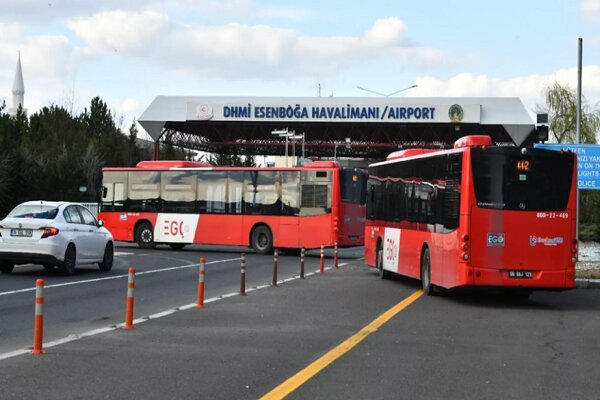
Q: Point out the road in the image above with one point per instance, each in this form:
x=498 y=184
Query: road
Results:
x=470 y=344
x=165 y=278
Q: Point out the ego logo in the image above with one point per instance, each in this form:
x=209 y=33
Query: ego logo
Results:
x=495 y=239
x=173 y=228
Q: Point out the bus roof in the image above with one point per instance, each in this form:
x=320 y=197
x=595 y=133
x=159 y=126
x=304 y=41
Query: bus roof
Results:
x=167 y=165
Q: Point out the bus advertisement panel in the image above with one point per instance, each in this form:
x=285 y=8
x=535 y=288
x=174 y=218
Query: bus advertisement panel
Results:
x=179 y=203
x=475 y=215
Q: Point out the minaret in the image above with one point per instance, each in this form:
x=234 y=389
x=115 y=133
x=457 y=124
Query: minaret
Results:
x=18 y=90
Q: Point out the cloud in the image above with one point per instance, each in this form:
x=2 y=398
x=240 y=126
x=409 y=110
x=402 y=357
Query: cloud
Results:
x=119 y=30
x=528 y=88
x=591 y=9
x=44 y=11
x=386 y=32
x=48 y=62
x=242 y=51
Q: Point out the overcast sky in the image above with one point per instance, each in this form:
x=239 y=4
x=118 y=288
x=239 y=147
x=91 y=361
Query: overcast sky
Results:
x=129 y=51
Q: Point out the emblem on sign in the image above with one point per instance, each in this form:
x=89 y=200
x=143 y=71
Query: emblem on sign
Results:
x=204 y=112
x=456 y=113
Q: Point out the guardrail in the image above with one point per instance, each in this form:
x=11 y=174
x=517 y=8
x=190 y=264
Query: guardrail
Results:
x=93 y=207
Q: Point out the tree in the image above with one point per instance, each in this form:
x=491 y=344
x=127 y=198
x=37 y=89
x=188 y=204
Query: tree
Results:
x=91 y=164
x=561 y=105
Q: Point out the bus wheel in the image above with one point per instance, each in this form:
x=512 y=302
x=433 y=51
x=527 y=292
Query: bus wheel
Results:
x=428 y=288
x=383 y=274
x=144 y=236
x=262 y=240
x=177 y=246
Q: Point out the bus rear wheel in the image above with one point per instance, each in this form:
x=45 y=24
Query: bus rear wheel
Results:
x=144 y=236
x=428 y=288
x=177 y=246
x=262 y=240
x=383 y=274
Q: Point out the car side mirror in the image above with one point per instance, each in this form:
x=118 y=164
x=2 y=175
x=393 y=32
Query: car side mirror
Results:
x=100 y=223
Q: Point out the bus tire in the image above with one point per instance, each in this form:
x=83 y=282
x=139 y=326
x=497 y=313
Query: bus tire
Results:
x=144 y=236
x=177 y=246
x=383 y=274
x=428 y=288
x=261 y=240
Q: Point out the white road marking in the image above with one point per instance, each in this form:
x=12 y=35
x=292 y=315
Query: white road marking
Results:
x=154 y=271
x=74 y=337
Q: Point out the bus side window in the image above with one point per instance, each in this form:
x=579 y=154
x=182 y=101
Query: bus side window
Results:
x=108 y=193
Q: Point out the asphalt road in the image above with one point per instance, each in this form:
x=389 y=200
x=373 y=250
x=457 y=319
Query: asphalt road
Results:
x=468 y=344
x=165 y=278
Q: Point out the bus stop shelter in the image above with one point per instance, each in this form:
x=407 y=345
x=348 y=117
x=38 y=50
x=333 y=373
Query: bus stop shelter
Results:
x=374 y=127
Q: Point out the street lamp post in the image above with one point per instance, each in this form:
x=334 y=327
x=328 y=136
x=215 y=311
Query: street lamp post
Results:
x=387 y=95
x=287 y=134
x=347 y=142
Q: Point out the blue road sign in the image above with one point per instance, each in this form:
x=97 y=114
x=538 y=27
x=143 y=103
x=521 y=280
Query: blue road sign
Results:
x=588 y=162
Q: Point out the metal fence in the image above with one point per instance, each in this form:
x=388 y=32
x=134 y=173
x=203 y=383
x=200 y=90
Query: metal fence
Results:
x=93 y=207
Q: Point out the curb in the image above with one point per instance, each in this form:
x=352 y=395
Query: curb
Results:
x=587 y=283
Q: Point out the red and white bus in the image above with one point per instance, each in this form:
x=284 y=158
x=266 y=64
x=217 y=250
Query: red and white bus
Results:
x=182 y=202
x=475 y=215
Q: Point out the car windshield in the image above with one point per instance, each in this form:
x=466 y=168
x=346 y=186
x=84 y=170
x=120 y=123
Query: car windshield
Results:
x=37 y=211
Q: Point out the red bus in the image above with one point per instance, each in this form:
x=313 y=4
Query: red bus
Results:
x=182 y=202
x=474 y=215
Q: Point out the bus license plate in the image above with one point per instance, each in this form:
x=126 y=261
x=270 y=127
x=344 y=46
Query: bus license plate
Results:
x=21 y=232
x=520 y=274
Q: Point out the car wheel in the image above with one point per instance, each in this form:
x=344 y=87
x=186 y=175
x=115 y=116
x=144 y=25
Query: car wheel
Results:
x=177 y=246
x=68 y=265
x=107 y=260
x=144 y=236
x=262 y=240
x=428 y=288
x=383 y=274
x=6 y=267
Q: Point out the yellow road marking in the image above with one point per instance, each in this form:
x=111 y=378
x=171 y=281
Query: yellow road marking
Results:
x=311 y=370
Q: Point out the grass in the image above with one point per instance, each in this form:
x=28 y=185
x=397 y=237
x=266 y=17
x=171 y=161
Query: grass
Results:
x=589 y=274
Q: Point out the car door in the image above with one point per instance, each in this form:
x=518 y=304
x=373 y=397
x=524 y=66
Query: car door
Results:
x=76 y=230
x=94 y=238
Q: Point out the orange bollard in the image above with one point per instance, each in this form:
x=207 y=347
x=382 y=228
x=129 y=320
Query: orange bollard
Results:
x=275 y=267
x=322 y=266
x=302 y=263
x=243 y=282
x=38 y=330
x=335 y=255
x=200 y=302
x=129 y=310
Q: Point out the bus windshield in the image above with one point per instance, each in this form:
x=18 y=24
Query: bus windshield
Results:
x=506 y=179
x=353 y=186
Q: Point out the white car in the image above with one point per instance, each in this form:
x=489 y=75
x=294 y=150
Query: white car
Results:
x=54 y=233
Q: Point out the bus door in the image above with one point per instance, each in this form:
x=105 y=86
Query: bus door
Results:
x=353 y=193
x=289 y=222
x=316 y=221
